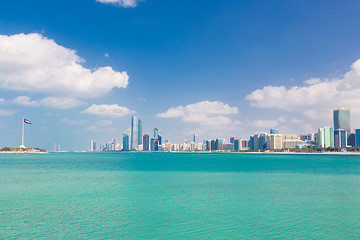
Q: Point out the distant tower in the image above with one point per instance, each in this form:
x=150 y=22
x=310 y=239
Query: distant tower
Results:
x=195 y=138
x=274 y=131
x=146 y=142
x=92 y=145
x=140 y=132
x=126 y=142
x=156 y=133
x=136 y=133
x=326 y=137
x=342 y=119
x=55 y=147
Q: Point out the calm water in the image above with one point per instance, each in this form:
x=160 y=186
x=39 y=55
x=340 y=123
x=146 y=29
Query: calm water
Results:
x=179 y=196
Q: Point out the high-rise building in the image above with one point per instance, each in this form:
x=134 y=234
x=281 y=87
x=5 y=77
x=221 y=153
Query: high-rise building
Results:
x=146 y=142
x=232 y=139
x=159 y=139
x=342 y=119
x=140 y=132
x=325 y=137
x=195 y=138
x=236 y=143
x=219 y=144
x=351 y=140
x=92 y=145
x=251 y=143
x=208 y=145
x=357 y=137
x=274 y=131
x=340 y=138
x=276 y=141
x=213 y=145
x=136 y=133
x=126 y=142
x=156 y=132
x=154 y=144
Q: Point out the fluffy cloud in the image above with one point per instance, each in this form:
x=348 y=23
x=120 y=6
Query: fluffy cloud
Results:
x=33 y=63
x=2 y=100
x=114 y=110
x=61 y=102
x=207 y=113
x=121 y=3
x=316 y=97
x=51 y=102
x=26 y=101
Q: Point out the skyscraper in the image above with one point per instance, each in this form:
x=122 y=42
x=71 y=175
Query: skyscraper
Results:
x=340 y=138
x=92 y=145
x=195 y=138
x=357 y=137
x=326 y=137
x=146 y=142
x=136 y=133
x=126 y=142
x=154 y=144
x=156 y=132
x=342 y=119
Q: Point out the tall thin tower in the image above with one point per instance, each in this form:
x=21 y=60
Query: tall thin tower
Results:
x=136 y=133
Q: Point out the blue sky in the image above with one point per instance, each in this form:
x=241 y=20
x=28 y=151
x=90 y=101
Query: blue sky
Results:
x=80 y=69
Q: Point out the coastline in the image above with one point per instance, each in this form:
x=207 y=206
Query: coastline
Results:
x=204 y=152
x=21 y=152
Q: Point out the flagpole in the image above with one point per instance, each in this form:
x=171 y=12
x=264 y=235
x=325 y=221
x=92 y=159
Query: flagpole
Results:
x=22 y=139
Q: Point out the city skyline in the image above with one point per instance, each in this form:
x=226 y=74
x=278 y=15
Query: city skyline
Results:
x=339 y=136
x=216 y=69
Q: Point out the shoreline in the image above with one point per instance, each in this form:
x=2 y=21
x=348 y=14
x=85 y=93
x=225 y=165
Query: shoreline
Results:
x=204 y=152
x=22 y=152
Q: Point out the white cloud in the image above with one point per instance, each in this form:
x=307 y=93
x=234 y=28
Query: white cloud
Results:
x=108 y=110
x=51 y=102
x=316 y=98
x=2 y=100
x=33 y=63
x=265 y=123
x=26 y=101
x=296 y=121
x=61 y=102
x=210 y=114
x=121 y=3
x=106 y=55
x=6 y=113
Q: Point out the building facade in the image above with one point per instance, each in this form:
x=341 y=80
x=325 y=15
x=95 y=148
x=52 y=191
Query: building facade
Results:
x=340 y=138
x=146 y=142
x=357 y=138
x=126 y=142
x=325 y=137
x=342 y=119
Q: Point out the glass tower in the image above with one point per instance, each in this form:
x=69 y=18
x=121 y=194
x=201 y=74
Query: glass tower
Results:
x=134 y=145
x=126 y=145
x=357 y=137
x=342 y=119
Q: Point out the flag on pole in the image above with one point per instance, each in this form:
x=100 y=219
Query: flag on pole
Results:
x=27 y=121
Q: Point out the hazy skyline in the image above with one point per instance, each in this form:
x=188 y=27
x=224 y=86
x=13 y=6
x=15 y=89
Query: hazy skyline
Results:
x=80 y=70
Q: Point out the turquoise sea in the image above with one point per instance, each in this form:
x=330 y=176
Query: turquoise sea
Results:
x=179 y=196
